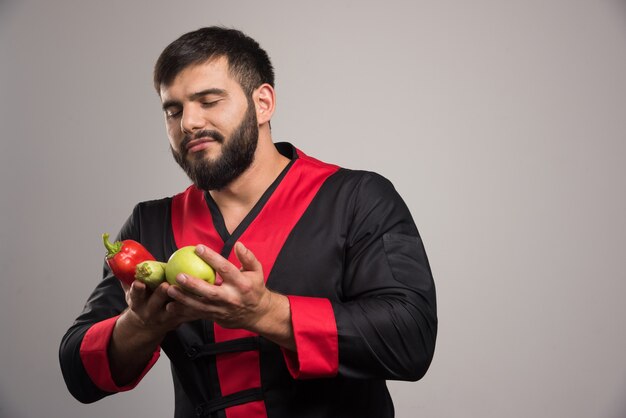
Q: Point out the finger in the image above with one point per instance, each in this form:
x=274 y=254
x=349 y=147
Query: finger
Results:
x=125 y=286
x=247 y=259
x=136 y=294
x=191 y=309
x=192 y=288
x=191 y=304
x=224 y=268
x=126 y=289
x=159 y=298
x=181 y=312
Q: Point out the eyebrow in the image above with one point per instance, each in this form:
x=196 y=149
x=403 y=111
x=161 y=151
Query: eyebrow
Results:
x=195 y=96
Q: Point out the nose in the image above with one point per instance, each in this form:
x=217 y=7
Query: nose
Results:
x=191 y=120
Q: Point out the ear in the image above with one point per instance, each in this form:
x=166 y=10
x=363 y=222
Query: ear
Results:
x=265 y=102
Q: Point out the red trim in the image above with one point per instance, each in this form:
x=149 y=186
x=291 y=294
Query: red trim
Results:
x=265 y=237
x=315 y=331
x=94 y=354
x=192 y=223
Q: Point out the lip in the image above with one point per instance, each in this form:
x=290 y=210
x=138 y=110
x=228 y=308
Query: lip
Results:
x=199 y=144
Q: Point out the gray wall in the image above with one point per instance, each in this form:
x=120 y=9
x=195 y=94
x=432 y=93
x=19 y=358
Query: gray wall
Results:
x=502 y=123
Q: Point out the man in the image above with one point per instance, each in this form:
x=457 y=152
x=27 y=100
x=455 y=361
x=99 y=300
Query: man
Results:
x=324 y=290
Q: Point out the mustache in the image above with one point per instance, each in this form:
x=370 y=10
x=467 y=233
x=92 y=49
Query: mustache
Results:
x=216 y=136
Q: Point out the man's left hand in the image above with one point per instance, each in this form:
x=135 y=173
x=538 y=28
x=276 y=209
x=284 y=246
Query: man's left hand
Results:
x=239 y=299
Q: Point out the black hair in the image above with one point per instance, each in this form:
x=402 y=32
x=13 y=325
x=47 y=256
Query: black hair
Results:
x=248 y=63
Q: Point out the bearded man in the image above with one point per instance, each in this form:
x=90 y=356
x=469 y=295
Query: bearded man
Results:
x=324 y=290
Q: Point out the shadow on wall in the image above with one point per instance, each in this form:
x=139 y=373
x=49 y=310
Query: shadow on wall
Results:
x=620 y=5
x=5 y=8
x=5 y=409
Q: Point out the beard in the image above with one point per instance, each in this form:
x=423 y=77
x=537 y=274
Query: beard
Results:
x=237 y=154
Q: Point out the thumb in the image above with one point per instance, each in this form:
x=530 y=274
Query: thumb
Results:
x=248 y=261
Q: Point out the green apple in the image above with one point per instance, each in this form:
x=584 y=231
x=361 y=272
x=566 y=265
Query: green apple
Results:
x=185 y=260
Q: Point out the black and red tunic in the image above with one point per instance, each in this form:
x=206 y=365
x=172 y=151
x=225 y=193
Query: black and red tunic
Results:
x=341 y=244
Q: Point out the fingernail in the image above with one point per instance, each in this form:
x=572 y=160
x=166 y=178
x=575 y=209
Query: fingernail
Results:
x=199 y=249
x=181 y=278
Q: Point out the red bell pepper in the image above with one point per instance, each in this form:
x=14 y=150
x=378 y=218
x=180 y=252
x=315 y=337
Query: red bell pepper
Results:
x=123 y=257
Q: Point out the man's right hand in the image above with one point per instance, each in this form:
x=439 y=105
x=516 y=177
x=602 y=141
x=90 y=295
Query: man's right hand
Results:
x=140 y=329
x=147 y=310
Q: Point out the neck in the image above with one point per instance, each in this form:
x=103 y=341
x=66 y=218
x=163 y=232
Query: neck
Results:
x=247 y=189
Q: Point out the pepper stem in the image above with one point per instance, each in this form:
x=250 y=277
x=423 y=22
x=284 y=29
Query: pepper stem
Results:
x=112 y=249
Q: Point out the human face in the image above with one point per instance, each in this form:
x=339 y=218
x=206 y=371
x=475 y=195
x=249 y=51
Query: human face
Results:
x=206 y=140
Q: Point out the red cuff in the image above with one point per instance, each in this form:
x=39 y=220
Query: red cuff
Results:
x=94 y=354
x=315 y=333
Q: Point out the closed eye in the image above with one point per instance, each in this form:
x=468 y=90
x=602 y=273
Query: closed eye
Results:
x=172 y=113
x=209 y=104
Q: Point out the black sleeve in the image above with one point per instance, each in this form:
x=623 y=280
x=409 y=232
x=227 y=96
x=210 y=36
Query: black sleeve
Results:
x=387 y=324
x=106 y=301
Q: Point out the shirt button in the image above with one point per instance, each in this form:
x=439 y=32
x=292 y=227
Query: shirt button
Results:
x=191 y=353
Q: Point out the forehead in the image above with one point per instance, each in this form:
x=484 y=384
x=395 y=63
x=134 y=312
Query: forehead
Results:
x=211 y=74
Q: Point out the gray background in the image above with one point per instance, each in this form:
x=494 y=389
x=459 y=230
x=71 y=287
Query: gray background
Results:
x=501 y=123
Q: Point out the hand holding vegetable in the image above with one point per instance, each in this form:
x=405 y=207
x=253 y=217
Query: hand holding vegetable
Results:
x=241 y=299
x=184 y=260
